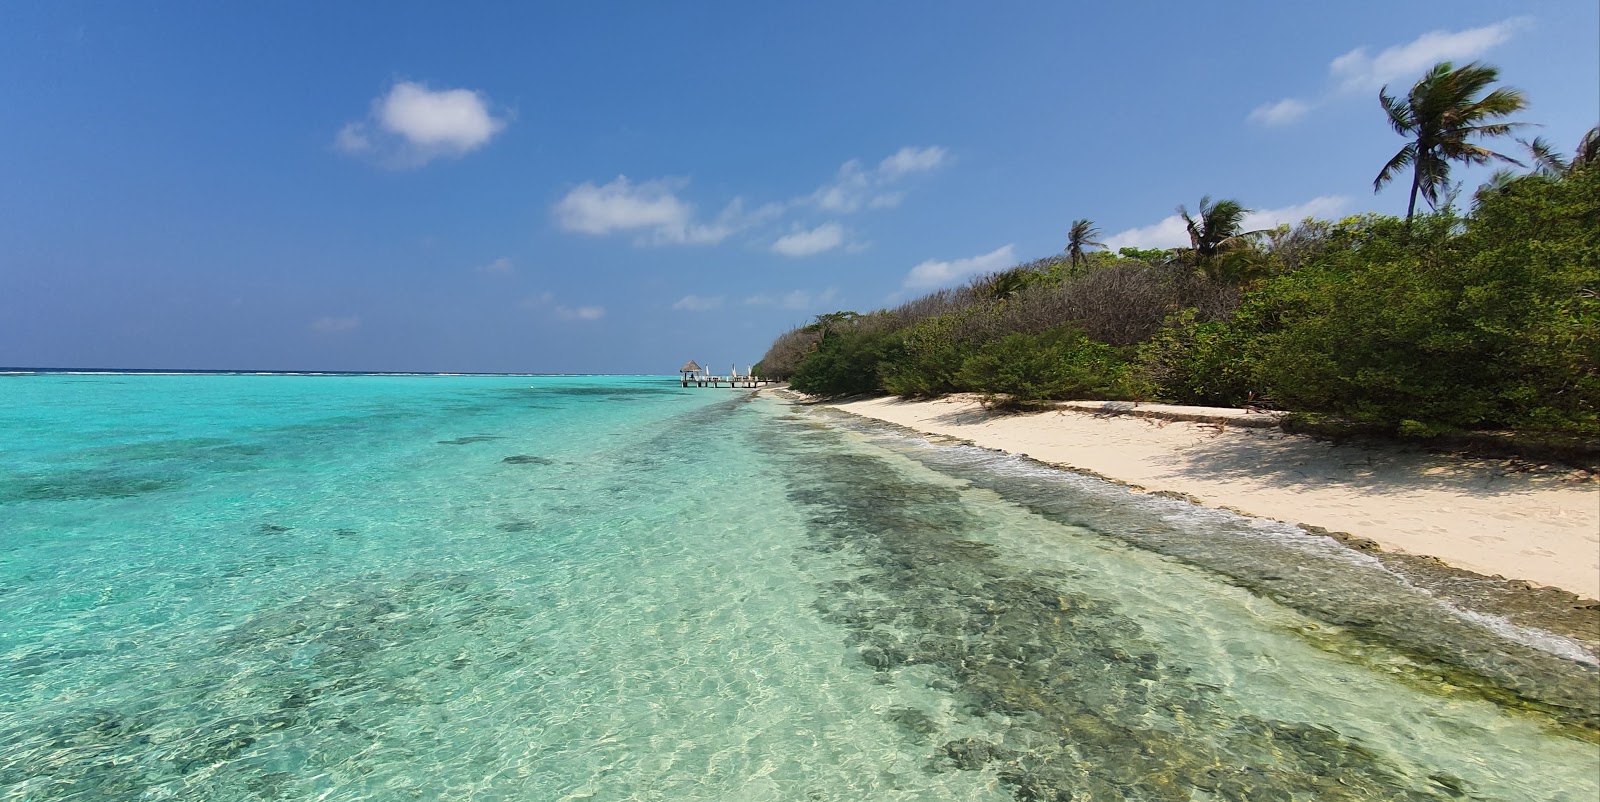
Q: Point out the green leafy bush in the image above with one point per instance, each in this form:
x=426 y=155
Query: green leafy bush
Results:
x=1489 y=321
x=845 y=363
x=929 y=357
x=1060 y=363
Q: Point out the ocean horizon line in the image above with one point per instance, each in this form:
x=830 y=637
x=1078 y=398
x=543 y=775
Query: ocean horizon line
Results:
x=69 y=371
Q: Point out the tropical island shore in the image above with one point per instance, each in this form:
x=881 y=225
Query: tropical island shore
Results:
x=1482 y=515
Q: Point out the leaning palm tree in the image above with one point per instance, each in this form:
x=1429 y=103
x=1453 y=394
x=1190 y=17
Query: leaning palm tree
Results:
x=1547 y=161
x=1082 y=233
x=1216 y=235
x=1588 y=153
x=1440 y=114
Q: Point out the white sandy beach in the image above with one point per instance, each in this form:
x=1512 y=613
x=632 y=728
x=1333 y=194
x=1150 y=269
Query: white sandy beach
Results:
x=1475 y=514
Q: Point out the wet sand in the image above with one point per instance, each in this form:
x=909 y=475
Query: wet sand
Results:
x=1480 y=515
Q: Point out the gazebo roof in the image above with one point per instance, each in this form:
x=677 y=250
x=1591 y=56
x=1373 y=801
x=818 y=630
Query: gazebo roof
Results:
x=689 y=367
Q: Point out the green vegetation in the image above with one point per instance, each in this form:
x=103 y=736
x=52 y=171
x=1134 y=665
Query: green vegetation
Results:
x=1438 y=322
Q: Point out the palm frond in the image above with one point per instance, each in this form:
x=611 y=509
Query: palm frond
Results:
x=1500 y=182
x=1474 y=154
x=1398 y=112
x=1401 y=161
x=1445 y=109
x=1588 y=152
x=1546 y=161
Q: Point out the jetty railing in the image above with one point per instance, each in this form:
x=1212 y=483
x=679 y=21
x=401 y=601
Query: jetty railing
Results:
x=730 y=382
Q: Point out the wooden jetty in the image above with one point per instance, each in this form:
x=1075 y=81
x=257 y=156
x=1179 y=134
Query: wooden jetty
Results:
x=691 y=374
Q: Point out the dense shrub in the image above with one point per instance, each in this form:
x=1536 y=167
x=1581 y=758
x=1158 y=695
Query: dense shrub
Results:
x=1485 y=321
x=845 y=364
x=1487 y=328
x=1482 y=322
x=930 y=355
x=1060 y=363
x=788 y=351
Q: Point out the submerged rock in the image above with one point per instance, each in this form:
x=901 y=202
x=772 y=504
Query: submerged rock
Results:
x=470 y=439
x=528 y=459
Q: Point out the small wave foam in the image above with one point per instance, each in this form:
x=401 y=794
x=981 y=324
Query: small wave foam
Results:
x=1199 y=521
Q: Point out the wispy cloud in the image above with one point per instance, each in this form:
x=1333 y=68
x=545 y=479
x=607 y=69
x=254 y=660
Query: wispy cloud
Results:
x=335 y=325
x=696 y=303
x=655 y=213
x=411 y=125
x=1359 y=71
x=909 y=160
x=652 y=211
x=580 y=312
x=1283 y=112
x=1322 y=206
x=1170 y=232
x=796 y=299
x=545 y=302
x=539 y=301
x=856 y=187
x=804 y=299
x=501 y=267
x=1356 y=71
x=825 y=237
x=934 y=273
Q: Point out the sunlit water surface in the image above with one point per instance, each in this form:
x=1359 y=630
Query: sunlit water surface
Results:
x=403 y=588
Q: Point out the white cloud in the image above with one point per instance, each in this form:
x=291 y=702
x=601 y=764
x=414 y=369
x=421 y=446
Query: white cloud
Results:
x=696 y=303
x=933 y=273
x=1357 y=72
x=501 y=266
x=623 y=206
x=887 y=200
x=455 y=119
x=912 y=160
x=855 y=187
x=825 y=237
x=580 y=312
x=1281 y=113
x=1170 y=232
x=539 y=301
x=652 y=210
x=848 y=192
x=1324 y=206
x=353 y=138
x=655 y=214
x=802 y=299
x=546 y=300
x=412 y=125
x=795 y=299
x=335 y=325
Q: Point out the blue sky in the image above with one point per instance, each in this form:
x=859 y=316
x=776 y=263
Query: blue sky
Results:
x=611 y=187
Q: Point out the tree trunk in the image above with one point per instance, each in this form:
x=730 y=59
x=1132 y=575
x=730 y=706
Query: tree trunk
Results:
x=1416 y=178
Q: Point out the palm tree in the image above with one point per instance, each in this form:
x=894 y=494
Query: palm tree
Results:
x=1082 y=233
x=1219 y=227
x=1588 y=153
x=1439 y=115
x=1546 y=160
x=1216 y=234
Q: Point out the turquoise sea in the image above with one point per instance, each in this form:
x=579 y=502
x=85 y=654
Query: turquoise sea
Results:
x=239 y=587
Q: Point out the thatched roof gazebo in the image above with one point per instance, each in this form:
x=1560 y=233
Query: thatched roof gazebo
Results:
x=688 y=372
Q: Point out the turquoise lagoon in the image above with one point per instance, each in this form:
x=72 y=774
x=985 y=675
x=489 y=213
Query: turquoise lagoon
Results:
x=247 y=587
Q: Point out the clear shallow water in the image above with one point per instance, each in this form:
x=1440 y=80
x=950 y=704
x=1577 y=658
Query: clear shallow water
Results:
x=238 y=587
